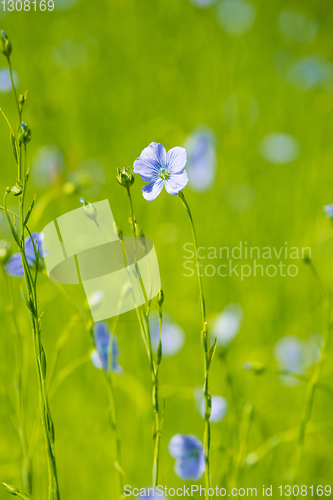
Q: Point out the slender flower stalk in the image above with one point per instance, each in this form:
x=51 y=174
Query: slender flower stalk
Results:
x=126 y=179
x=19 y=144
x=314 y=380
x=208 y=354
x=26 y=459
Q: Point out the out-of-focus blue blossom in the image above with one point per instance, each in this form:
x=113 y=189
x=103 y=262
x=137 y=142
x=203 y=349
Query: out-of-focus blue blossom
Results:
x=70 y=54
x=329 y=211
x=227 y=324
x=201 y=158
x=15 y=267
x=219 y=405
x=279 y=148
x=160 y=168
x=295 y=355
x=100 y=357
x=236 y=16
x=47 y=166
x=240 y=197
x=5 y=83
x=64 y=4
x=296 y=27
x=173 y=336
x=202 y=4
x=189 y=454
x=310 y=72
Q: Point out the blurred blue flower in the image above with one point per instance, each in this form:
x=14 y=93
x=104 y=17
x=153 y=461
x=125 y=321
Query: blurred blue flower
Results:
x=47 y=166
x=236 y=16
x=201 y=158
x=227 y=324
x=189 y=454
x=219 y=405
x=5 y=83
x=329 y=211
x=160 y=168
x=296 y=27
x=100 y=357
x=279 y=148
x=310 y=72
x=293 y=356
x=14 y=266
x=173 y=336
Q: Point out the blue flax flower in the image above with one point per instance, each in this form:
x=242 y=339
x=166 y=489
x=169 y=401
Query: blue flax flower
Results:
x=329 y=211
x=15 y=266
x=189 y=454
x=100 y=357
x=160 y=168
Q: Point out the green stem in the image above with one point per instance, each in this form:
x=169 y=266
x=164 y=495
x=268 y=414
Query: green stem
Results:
x=154 y=368
x=26 y=461
x=113 y=415
x=205 y=345
x=32 y=304
x=313 y=382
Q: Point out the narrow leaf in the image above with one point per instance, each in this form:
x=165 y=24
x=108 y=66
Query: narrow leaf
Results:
x=29 y=211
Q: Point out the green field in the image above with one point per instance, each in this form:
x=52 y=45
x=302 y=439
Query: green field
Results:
x=104 y=80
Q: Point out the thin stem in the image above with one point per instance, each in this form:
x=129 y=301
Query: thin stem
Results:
x=154 y=367
x=313 y=382
x=14 y=89
x=113 y=415
x=26 y=461
x=205 y=345
x=32 y=304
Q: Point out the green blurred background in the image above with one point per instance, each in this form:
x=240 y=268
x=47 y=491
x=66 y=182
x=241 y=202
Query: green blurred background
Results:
x=107 y=78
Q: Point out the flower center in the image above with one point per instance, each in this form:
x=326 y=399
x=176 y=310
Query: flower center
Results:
x=164 y=174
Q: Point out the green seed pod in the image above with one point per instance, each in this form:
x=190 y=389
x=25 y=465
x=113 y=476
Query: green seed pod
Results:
x=24 y=133
x=5 y=45
x=16 y=190
x=125 y=177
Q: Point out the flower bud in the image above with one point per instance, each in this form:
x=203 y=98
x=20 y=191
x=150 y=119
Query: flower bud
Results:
x=160 y=297
x=91 y=211
x=5 y=45
x=125 y=177
x=24 y=133
x=16 y=190
x=5 y=252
